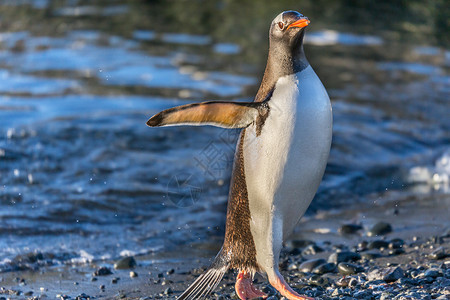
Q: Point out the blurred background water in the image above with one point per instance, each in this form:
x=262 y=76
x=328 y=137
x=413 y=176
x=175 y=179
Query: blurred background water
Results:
x=81 y=176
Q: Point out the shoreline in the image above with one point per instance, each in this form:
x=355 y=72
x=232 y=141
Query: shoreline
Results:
x=420 y=226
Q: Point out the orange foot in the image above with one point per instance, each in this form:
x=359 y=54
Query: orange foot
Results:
x=245 y=289
x=281 y=286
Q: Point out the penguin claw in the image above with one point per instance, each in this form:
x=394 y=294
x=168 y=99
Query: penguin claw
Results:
x=245 y=289
x=285 y=290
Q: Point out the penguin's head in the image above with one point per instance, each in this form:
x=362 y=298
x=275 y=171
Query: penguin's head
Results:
x=287 y=29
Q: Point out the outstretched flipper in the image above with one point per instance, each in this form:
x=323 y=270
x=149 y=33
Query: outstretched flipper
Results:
x=216 y=113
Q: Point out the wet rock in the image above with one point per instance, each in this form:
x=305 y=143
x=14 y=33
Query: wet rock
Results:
x=396 y=244
x=343 y=256
x=362 y=246
x=349 y=269
x=311 y=264
x=389 y=274
x=312 y=250
x=349 y=228
x=102 y=271
x=439 y=253
x=325 y=268
x=125 y=263
x=380 y=228
x=377 y=244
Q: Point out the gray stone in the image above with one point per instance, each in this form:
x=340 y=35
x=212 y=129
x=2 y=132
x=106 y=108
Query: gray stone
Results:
x=311 y=264
x=377 y=244
x=125 y=263
x=349 y=269
x=389 y=274
x=380 y=228
x=325 y=268
x=343 y=256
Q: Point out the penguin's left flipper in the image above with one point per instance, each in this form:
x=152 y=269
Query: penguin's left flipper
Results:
x=217 y=113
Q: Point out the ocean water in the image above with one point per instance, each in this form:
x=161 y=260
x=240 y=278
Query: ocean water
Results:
x=82 y=178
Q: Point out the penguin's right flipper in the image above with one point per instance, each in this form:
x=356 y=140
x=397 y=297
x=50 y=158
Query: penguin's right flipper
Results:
x=216 y=113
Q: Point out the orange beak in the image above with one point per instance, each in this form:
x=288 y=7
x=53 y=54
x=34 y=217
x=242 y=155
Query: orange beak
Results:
x=300 y=23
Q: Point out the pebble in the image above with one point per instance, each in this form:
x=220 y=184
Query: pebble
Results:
x=349 y=269
x=396 y=244
x=349 y=228
x=311 y=264
x=389 y=274
x=102 y=271
x=343 y=256
x=377 y=244
x=125 y=263
x=324 y=268
x=380 y=228
x=133 y=274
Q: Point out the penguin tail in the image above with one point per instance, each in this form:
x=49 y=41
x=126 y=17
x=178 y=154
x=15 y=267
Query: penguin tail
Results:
x=208 y=281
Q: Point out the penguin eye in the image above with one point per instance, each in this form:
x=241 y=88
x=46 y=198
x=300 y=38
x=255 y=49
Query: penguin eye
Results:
x=281 y=25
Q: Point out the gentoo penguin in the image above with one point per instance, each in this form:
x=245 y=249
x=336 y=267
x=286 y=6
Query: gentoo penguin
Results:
x=279 y=162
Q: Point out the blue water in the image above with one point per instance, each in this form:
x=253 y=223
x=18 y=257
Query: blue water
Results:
x=82 y=178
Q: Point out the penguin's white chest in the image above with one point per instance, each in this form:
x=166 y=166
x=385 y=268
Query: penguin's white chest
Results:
x=285 y=163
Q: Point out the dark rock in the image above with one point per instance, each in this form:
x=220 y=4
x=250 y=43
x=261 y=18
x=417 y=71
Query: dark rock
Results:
x=312 y=250
x=343 y=256
x=433 y=273
x=349 y=228
x=349 y=269
x=102 y=271
x=115 y=280
x=377 y=244
x=168 y=291
x=381 y=228
x=125 y=263
x=170 y=271
x=396 y=244
x=389 y=274
x=311 y=264
x=439 y=253
x=325 y=268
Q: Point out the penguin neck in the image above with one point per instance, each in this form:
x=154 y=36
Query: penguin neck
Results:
x=281 y=62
